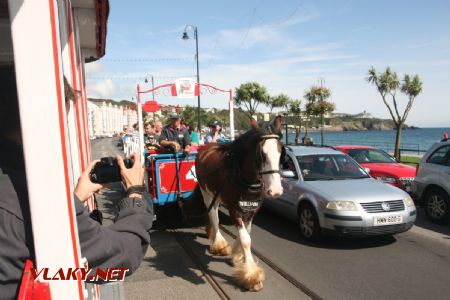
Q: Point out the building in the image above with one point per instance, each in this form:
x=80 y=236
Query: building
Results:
x=106 y=118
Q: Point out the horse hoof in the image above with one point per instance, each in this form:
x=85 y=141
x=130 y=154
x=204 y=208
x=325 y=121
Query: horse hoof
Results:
x=250 y=277
x=257 y=287
x=221 y=249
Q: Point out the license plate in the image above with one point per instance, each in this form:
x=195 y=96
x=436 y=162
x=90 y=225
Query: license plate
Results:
x=387 y=220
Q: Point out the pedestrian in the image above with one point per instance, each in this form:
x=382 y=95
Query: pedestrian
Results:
x=175 y=138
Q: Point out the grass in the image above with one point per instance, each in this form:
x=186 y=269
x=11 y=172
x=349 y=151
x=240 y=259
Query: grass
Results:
x=410 y=160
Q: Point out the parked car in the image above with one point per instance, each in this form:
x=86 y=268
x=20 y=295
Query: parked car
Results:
x=382 y=166
x=432 y=183
x=327 y=192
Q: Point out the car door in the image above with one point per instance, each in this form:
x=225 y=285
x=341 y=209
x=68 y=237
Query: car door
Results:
x=288 y=201
x=439 y=163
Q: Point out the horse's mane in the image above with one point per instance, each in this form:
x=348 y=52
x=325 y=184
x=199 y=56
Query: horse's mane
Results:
x=245 y=143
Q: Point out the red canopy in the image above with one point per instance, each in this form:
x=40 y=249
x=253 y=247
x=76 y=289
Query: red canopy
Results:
x=150 y=106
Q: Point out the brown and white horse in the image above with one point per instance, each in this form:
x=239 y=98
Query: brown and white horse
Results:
x=239 y=175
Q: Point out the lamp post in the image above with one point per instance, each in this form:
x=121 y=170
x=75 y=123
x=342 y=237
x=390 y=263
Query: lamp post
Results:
x=185 y=38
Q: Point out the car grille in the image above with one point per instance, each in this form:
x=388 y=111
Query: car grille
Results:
x=377 y=207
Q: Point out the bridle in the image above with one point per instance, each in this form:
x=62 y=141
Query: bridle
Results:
x=256 y=186
x=268 y=137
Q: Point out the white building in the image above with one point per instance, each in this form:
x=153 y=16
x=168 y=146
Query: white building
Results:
x=107 y=119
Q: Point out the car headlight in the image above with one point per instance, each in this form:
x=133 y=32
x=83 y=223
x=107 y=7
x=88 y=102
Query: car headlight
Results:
x=387 y=179
x=341 y=205
x=409 y=202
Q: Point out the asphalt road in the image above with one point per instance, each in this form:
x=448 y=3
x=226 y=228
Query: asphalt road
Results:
x=411 y=265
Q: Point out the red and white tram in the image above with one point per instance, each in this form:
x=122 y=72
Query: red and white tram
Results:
x=47 y=41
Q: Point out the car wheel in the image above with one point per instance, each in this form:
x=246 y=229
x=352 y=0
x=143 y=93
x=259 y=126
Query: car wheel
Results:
x=437 y=206
x=308 y=222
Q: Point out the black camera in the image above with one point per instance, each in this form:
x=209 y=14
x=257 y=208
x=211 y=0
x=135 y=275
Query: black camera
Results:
x=107 y=170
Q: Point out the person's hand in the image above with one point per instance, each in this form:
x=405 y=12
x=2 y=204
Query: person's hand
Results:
x=85 y=187
x=177 y=147
x=134 y=175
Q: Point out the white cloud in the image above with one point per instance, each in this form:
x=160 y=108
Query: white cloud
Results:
x=94 y=68
x=106 y=89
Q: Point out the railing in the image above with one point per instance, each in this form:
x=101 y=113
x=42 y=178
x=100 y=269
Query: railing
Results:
x=405 y=148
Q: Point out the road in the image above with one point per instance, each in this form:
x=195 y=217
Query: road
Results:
x=411 y=265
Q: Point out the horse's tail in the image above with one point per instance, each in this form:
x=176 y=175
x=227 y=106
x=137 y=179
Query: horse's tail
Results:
x=194 y=208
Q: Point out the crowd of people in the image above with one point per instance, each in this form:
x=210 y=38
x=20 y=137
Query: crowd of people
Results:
x=175 y=136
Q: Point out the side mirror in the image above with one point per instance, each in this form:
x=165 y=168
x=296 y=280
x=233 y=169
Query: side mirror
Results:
x=287 y=174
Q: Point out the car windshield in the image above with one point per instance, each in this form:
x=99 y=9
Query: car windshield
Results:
x=329 y=167
x=370 y=156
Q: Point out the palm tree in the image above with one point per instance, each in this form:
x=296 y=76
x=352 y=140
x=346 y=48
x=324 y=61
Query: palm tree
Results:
x=318 y=105
x=250 y=95
x=296 y=112
x=280 y=100
x=387 y=84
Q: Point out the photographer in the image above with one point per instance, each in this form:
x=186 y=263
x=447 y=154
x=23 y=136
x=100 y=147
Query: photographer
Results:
x=173 y=137
x=122 y=244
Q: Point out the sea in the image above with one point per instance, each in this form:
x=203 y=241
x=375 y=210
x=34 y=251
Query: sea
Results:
x=414 y=141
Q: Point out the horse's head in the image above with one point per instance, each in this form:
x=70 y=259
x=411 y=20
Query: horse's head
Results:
x=272 y=153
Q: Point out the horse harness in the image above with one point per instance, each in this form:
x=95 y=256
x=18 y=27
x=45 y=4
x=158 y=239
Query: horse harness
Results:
x=252 y=190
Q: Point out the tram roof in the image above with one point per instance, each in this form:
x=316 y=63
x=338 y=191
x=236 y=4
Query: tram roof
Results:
x=91 y=17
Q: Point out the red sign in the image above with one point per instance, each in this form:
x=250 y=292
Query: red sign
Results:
x=168 y=177
x=151 y=106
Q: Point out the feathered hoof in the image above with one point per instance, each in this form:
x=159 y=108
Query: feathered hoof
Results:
x=220 y=248
x=249 y=276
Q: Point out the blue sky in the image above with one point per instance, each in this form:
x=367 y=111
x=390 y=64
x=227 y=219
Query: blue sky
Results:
x=287 y=46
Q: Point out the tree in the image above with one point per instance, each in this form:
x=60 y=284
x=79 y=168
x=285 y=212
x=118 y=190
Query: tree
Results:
x=318 y=105
x=388 y=84
x=250 y=95
x=189 y=115
x=296 y=117
x=280 y=100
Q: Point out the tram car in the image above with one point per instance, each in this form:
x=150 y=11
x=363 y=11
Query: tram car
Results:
x=46 y=44
x=171 y=177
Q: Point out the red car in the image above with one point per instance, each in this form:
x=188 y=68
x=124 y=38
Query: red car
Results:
x=382 y=166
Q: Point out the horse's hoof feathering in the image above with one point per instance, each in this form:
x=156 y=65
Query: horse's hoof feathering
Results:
x=250 y=276
x=222 y=248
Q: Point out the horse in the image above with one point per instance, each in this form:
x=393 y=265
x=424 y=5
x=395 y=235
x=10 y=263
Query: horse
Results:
x=239 y=175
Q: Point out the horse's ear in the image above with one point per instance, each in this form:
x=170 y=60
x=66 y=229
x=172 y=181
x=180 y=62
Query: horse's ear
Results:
x=277 y=122
x=254 y=124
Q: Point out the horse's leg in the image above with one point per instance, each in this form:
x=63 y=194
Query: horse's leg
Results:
x=247 y=272
x=219 y=245
x=237 y=252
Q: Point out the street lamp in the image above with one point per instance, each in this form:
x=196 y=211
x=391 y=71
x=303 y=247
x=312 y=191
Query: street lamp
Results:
x=186 y=38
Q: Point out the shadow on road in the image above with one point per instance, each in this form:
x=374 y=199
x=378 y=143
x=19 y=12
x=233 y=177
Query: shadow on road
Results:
x=423 y=222
x=288 y=230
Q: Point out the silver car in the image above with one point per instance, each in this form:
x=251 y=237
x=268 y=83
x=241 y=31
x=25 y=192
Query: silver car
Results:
x=327 y=192
x=432 y=183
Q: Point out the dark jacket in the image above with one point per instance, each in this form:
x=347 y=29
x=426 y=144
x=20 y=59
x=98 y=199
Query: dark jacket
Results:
x=122 y=244
x=179 y=135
